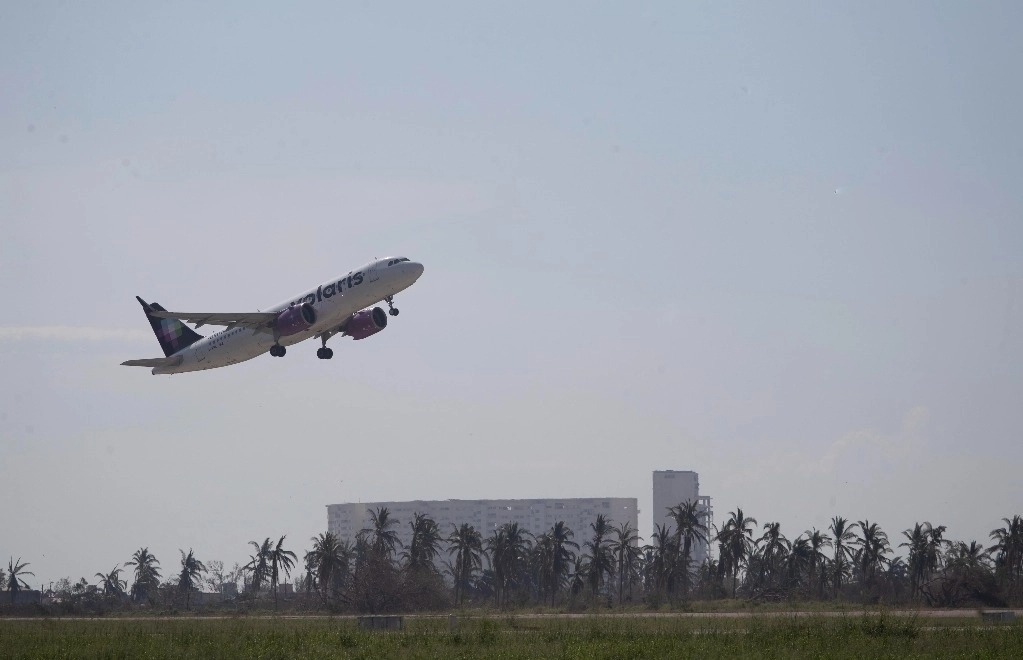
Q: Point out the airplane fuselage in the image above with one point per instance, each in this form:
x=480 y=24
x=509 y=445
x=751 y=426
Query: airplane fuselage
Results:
x=334 y=302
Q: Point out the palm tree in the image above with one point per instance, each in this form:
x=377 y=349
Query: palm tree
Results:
x=966 y=574
x=799 y=558
x=625 y=550
x=973 y=555
x=916 y=542
x=362 y=554
x=775 y=548
x=873 y=545
x=15 y=582
x=579 y=571
x=384 y=540
x=897 y=576
x=737 y=540
x=424 y=546
x=259 y=563
x=599 y=555
x=280 y=559
x=690 y=529
x=376 y=581
x=309 y=578
x=553 y=557
x=191 y=572
x=818 y=541
x=935 y=548
x=147 y=574
x=709 y=578
x=661 y=563
x=507 y=549
x=1008 y=549
x=843 y=536
x=466 y=545
x=330 y=560
x=112 y=583
x=925 y=545
x=542 y=564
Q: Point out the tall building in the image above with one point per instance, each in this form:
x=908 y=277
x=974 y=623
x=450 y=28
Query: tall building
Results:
x=535 y=516
x=671 y=488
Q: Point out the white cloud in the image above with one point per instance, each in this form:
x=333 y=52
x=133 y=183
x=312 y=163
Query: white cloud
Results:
x=70 y=333
x=876 y=446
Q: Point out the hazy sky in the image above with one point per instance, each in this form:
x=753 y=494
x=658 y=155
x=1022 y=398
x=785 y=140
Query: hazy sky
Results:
x=778 y=245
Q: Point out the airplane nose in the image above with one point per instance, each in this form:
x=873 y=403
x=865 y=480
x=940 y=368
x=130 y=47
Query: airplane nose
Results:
x=417 y=269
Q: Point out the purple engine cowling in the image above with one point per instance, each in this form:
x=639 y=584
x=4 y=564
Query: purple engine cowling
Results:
x=365 y=323
x=295 y=319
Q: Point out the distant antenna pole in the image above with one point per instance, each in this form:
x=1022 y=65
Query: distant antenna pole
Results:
x=709 y=519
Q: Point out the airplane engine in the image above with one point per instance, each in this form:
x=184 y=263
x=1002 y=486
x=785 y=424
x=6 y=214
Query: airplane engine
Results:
x=365 y=323
x=295 y=319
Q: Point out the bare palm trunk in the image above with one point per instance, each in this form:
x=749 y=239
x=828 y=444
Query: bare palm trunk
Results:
x=621 y=578
x=838 y=578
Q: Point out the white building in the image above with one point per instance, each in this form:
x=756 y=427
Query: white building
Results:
x=671 y=488
x=535 y=516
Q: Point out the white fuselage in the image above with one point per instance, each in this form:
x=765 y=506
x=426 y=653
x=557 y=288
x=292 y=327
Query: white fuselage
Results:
x=334 y=301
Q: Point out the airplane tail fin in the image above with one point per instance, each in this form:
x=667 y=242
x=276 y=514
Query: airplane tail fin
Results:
x=172 y=334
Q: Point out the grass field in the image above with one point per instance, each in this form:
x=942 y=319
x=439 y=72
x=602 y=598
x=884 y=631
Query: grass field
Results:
x=870 y=636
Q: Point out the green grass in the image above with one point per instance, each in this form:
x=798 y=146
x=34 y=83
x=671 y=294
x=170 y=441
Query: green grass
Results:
x=873 y=636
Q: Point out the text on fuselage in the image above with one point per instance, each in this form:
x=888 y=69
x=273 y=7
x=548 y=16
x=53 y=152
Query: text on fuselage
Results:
x=331 y=290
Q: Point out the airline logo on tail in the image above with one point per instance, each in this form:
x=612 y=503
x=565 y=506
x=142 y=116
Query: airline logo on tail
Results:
x=172 y=334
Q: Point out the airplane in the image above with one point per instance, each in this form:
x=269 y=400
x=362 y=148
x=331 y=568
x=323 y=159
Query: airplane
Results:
x=341 y=306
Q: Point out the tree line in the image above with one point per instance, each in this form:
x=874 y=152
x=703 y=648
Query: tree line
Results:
x=606 y=566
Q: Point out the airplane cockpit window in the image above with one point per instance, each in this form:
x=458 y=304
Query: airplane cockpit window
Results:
x=396 y=261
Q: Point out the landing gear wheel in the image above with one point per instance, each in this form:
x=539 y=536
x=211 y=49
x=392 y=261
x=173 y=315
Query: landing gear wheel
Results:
x=323 y=352
x=277 y=350
x=391 y=309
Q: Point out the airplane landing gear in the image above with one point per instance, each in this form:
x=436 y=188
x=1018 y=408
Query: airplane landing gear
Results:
x=277 y=350
x=391 y=309
x=323 y=352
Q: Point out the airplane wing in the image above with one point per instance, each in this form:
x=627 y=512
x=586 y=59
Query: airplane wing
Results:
x=154 y=362
x=254 y=320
